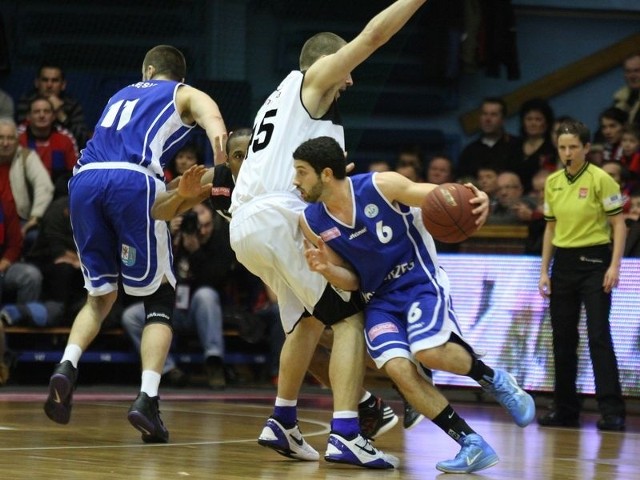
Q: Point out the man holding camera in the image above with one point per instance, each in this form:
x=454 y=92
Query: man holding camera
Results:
x=202 y=262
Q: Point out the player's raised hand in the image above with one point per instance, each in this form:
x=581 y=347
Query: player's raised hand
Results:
x=189 y=185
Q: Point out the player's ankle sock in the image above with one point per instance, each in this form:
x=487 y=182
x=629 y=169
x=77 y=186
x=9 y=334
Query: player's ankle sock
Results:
x=479 y=371
x=452 y=424
x=286 y=416
x=346 y=427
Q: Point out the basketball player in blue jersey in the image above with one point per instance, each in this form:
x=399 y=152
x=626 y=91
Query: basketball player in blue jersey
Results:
x=265 y=236
x=115 y=182
x=370 y=221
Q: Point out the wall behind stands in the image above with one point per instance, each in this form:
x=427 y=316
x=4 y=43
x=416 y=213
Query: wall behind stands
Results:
x=251 y=42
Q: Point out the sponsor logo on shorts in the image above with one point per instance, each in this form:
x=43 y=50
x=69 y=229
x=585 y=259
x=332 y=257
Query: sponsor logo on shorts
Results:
x=381 y=329
x=330 y=234
x=399 y=270
x=128 y=255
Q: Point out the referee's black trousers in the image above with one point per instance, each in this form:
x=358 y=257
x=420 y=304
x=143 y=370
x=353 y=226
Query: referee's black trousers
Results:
x=576 y=279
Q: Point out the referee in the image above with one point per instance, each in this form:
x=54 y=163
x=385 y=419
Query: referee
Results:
x=583 y=207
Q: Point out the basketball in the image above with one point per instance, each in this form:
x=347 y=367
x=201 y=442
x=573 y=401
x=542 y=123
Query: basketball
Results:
x=446 y=213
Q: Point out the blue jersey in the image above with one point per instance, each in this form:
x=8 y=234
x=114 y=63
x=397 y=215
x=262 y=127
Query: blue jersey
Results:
x=386 y=243
x=139 y=125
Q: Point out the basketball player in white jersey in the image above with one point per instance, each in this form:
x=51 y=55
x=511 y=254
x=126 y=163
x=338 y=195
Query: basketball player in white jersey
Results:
x=265 y=236
x=117 y=177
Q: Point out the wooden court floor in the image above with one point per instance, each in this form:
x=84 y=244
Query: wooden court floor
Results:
x=213 y=436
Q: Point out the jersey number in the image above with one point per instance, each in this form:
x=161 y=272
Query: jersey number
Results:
x=115 y=111
x=262 y=136
x=384 y=232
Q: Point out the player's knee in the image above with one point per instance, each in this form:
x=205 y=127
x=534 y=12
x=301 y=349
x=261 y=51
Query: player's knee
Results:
x=159 y=305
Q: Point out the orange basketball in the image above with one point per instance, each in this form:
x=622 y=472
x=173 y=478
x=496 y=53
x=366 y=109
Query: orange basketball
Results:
x=446 y=213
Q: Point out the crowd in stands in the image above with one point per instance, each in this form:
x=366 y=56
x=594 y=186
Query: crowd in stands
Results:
x=42 y=132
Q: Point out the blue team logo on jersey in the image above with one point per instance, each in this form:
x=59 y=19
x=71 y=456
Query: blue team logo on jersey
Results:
x=371 y=210
x=128 y=255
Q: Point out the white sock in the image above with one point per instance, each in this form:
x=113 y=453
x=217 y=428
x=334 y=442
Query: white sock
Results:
x=281 y=402
x=365 y=397
x=72 y=353
x=150 y=383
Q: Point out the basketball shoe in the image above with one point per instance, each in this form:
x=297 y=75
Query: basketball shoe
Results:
x=287 y=442
x=475 y=454
x=61 y=386
x=508 y=393
x=359 y=452
x=411 y=416
x=144 y=415
x=376 y=417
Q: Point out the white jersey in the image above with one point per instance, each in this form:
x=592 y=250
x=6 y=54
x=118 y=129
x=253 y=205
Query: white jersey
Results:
x=281 y=125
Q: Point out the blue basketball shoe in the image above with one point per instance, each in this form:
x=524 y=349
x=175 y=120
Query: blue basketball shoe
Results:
x=475 y=454
x=508 y=393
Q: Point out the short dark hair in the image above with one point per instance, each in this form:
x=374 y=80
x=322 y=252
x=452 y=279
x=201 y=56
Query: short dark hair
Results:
x=616 y=114
x=167 y=60
x=321 y=153
x=321 y=44
x=537 y=105
x=51 y=65
x=38 y=98
x=497 y=100
x=238 y=132
x=574 y=127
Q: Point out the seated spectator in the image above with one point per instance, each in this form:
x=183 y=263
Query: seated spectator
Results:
x=6 y=105
x=612 y=120
x=409 y=163
x=621 y=175
x=50 y=83
x=55 y=145
x=54 y=253
x=487 y=181
x=440 y=170
x=379 y=166
x=24 y=181
x=627 y=98
x=630 y=144
x=187 y=156
x=532 y=212
x=20 y=282
x=495 y=147
x=202 y=260
x=536 y=147
x=510 y=194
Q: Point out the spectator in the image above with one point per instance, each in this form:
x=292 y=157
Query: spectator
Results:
x=510 y=195
x=533 y=213
x=536 y=147
x=628 y=97
x=185 y=157
x=632 y=245
x=379 y=166
x=487 y=181
x=630 y=144
x=495 y=147
x=54 y=253
x=55 y=145
x=50 y=83
x=585 y=235
x=409 y=163
x=612 y=120
x=440 y=170
x=621 y=175
x=6 y=105
x=27 y=182
x=203 y=260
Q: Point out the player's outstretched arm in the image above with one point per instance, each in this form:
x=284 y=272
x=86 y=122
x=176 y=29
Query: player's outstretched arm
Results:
x=189 y=192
